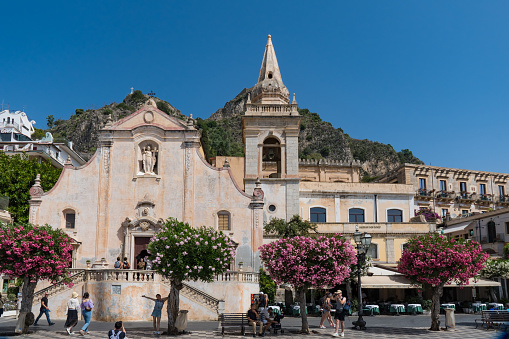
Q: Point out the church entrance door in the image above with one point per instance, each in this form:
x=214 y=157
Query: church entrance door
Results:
x=140 y=248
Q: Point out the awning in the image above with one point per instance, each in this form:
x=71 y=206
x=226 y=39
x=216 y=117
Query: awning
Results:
x=479 y=283
x=386 y=281
x=458 y=227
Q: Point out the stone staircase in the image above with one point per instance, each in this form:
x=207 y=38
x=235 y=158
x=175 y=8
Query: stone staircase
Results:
x=82 y=276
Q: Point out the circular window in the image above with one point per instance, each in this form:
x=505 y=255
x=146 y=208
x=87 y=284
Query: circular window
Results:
x=272 y=208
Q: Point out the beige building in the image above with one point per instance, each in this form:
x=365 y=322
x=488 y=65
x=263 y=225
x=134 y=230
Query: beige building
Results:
x=453 y=191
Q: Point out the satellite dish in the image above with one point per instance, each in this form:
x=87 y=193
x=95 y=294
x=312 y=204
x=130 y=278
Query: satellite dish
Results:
x=453 y=215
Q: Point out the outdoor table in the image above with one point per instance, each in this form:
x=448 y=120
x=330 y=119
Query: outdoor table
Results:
x=276 y=309
x=397 y=308
x=444 y=306
x=496 y=306
x=372 y=309
x=417 y=308
x=478 y=307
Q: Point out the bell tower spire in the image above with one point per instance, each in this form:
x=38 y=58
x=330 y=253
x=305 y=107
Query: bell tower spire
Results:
x=270 y=88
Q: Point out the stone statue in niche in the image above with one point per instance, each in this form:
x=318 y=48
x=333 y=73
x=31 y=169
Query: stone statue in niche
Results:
x=149 y=159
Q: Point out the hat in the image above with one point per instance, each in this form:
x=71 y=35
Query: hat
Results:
x=74 y=294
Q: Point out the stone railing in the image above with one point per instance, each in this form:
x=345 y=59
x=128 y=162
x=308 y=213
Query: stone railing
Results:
x=143 y=276
x=77 y=276
x=238 y=276
x=198 y=296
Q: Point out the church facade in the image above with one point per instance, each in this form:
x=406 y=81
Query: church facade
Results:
x=150 y=166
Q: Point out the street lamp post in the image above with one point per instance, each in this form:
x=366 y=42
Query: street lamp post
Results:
x=363 y=242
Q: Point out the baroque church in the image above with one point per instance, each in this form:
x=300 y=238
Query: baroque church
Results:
x=150 y=166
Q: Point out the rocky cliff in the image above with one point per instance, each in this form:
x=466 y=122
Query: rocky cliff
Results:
x=317 y=139
x=82 y=128
x=222 y=134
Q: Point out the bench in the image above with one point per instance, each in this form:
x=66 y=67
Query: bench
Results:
x=233 y=320
x=493 y=318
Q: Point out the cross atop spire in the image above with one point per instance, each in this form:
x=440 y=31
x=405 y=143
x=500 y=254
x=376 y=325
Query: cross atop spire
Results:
x=270 y=87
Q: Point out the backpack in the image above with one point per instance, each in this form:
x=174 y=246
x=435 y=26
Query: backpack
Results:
x=347 y=306
x=117 y=264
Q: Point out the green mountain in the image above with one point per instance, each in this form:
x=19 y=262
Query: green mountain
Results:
x=222 y=134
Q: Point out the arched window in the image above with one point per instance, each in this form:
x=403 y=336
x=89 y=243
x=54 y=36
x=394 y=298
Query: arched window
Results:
x=317 y=214
x=223 y=221
x=394 y=215
x=69 y=219
x=355 y=215
x=373 y=251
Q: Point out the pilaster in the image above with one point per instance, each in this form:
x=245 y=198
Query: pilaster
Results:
x=189 y=151
x=103 y=200
x=389 y=250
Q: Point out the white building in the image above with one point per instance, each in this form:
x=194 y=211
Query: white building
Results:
x=16 y=137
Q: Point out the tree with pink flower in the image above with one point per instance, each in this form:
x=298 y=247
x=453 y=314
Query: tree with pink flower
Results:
x=434 y=261
x=181 y=252
x=33 y=253
x=305 y=262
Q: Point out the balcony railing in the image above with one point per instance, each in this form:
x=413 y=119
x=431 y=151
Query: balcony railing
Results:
x=445 y=195
x=503 y=200
x=11 y=124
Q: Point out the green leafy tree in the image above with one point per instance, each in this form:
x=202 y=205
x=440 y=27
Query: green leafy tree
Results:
x=50 y=121
x=163 y=106
x=17 y=176
x=296 y=226
x=38 y=134
x=267 y=285
x=180 y=252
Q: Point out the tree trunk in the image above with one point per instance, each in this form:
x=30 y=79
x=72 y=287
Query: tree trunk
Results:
x=26 y=317
x=435 y=307
x=349 y=289
x=493 y=294
x=301 y=295
x=173 y=306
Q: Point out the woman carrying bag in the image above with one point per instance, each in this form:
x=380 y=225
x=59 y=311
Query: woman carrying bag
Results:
x=86 y=310
x=72 y=313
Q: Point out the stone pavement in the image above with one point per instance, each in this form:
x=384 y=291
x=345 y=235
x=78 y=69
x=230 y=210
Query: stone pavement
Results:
x=379 y=327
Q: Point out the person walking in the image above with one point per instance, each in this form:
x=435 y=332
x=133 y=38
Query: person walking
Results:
x=326 y=306
x=44 y=310
x=1 y=305
x=156 y=313
x=340 y=313
x=118 y=332
x=72 y=313
x=253 y=319
x=86 y=310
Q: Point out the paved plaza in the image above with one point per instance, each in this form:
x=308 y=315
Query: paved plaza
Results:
x=405 y=326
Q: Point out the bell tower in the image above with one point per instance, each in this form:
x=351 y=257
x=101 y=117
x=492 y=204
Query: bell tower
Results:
x=270 y=129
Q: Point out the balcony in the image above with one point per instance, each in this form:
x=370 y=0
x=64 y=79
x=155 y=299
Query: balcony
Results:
x=424 y=194
x=503 y=200
x=445 y=196
x=465 y=197
x=11 y=124
x=484 y=200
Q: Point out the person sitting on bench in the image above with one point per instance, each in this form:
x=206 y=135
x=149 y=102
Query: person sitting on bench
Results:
x=252 y=318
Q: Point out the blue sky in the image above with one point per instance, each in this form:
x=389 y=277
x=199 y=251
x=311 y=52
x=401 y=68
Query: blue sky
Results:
x=431 y=76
